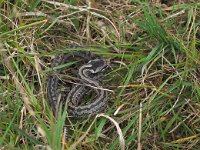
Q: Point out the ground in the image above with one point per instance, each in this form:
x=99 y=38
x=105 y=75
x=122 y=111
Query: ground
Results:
x=153 y=78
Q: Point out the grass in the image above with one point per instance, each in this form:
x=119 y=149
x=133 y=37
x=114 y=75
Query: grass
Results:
x=154 y=77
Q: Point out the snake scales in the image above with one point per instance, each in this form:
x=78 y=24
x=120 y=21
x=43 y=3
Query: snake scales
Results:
x=89 y=80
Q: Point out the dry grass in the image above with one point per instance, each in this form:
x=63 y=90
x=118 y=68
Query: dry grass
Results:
x=153 y=48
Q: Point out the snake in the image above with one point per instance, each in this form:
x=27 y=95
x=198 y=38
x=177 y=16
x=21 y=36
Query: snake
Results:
x=89 y=80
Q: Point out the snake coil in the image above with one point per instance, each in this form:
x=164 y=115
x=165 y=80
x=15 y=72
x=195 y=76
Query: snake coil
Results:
x=88 y=73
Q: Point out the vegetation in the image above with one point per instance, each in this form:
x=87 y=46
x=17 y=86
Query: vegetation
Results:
x=153 y=78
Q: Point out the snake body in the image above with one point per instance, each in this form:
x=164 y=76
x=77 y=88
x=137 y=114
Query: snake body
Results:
x=88 y=74
x=75 y=95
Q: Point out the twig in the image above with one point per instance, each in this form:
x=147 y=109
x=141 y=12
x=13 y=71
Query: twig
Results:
x=140 y=127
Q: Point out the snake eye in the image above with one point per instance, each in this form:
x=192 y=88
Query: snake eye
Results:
x=97 y=65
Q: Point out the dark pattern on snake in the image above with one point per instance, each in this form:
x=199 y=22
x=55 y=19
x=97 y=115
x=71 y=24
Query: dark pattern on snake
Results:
x=88 y=74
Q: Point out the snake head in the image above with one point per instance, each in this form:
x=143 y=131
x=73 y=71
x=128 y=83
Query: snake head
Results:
x=97 y=65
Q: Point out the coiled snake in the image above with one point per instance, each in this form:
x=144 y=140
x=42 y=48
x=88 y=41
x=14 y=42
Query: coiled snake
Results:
x=89 y=75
